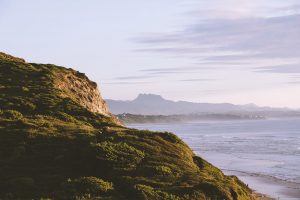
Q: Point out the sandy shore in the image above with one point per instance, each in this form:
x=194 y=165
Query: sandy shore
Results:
x=269 y=188
x=259 y=196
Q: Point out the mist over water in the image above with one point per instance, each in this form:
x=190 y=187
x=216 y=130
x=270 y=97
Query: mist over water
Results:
x=268 y=149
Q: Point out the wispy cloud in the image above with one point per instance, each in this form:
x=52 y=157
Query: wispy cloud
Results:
x=135 y=77
x=294 y=82
x=288 y=68
x=230 y=39
x=291 y=8
x=178 y=69
x=126 y=83
x=196 y=80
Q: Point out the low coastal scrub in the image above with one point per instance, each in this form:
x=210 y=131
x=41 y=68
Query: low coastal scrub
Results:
x=51 y=147
x=85 y=187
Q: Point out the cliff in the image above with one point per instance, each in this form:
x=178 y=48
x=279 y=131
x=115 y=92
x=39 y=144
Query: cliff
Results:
x=59 y=141
x=81 y=90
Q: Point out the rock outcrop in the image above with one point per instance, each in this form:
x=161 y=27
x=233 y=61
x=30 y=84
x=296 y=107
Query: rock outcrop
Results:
x=79 y=88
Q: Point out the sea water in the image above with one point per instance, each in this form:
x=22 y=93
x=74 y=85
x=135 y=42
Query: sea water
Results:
x=263 y=153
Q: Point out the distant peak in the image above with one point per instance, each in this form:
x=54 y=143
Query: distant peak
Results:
x=148 y=97
x=251 y=105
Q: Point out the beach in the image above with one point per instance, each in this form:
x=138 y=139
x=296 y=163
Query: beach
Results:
x=259 y=196
x=265 y=188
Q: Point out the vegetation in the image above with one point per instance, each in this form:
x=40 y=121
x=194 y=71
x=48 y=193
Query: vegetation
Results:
x=51 y=147
x=139 y=119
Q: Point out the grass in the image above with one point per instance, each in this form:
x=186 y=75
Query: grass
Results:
x=51 y=147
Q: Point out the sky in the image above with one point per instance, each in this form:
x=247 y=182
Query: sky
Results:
x=236 y=51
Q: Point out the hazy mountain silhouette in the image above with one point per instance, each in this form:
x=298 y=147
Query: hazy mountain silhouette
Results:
x=152 y=104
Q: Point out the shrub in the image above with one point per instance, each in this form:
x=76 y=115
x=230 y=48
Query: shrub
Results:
x=65 y=117
x=163 y=170
x=25 y=89
x=28 y=106
x=122 y=153
x=11 y=114
x=170 y=137
x=149 y=193
x=84 y=186
x=211 y=189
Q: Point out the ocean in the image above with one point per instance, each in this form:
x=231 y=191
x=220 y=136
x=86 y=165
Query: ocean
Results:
x=265 y=154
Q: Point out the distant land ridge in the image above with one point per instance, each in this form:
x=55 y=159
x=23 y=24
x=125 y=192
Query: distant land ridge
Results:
x=151 y=104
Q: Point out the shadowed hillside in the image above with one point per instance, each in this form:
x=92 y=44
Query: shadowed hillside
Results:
x=59 y=141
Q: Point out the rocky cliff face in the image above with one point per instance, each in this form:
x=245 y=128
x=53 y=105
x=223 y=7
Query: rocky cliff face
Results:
x=74 y=85
x=79 y=88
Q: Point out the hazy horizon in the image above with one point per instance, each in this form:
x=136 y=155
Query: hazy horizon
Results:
x=178 y=100
x=216 y=52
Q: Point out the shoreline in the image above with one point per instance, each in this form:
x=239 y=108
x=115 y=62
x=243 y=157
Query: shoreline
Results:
x=267 y=188
x=259 y=196
x=220 y=143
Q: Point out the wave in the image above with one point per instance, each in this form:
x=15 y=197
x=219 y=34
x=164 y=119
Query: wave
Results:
x=265 y=176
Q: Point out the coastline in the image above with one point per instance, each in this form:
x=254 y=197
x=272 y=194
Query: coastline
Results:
x=259 y=196
x=223 y=144
x=268 y=188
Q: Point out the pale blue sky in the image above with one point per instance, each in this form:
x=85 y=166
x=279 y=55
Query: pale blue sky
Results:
x=237 y=51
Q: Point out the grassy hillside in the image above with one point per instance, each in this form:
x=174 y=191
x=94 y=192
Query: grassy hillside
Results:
x=53 y=147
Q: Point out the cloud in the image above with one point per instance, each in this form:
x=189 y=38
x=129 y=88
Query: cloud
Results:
x=238 y=39
x=153 y=73
x=131 y=80
x=289 y=68
x=134 y=77
x=183 y=50
x=196 y=80
x=294 y=82
x=176 y=70
x=223 y=62
x=228 y=38
x=126 y=83
x=291 y=8
x=215 y=13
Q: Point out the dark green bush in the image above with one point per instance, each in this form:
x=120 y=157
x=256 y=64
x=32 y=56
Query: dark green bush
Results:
x=118 y=153
x=86 y=186
x=148 y=193
x=170 y=137
x=11 y=114
x=163 y=170
x=25 y=89
x=65 y=117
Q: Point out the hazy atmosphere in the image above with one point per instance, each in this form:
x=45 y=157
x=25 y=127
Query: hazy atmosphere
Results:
x=218 y=51
x=150 y=99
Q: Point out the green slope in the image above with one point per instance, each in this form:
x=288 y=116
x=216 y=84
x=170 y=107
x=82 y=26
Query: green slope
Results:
x=52 y=147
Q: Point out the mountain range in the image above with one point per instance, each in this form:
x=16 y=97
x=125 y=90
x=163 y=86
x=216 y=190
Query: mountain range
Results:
x=151 y=104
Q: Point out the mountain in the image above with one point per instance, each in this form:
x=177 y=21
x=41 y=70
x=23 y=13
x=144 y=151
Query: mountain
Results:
x=58 y=140
x=151 y=104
